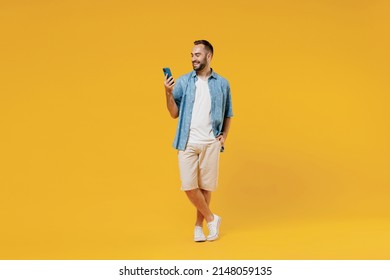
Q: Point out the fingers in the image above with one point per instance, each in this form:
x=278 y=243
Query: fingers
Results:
x=169 y=81
x=221 y=139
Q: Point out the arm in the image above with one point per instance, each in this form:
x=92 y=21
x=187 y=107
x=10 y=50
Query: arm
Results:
x=227 y=120
x=171 y=104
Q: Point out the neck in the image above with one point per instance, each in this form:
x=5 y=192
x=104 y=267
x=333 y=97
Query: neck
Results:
x=204 y=73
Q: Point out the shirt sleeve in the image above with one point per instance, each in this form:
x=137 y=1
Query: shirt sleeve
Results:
x=228 y=107
x=178 y=92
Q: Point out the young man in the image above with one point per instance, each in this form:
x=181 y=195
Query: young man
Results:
x=201 y=100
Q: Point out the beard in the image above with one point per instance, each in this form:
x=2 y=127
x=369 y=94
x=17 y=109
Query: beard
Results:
x=200 y=66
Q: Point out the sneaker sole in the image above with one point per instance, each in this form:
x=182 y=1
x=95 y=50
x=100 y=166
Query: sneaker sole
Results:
x=200 y=240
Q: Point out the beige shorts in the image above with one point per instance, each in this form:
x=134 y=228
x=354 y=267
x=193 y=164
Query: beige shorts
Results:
x=199 y=165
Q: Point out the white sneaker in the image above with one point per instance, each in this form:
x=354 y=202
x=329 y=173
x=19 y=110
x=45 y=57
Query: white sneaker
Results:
x=199 y=235
x=214 y=228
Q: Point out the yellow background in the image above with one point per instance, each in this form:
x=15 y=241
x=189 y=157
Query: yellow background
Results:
x=87 y=170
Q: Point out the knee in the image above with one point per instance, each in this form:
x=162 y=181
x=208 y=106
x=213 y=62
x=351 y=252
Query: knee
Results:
x=191 y=193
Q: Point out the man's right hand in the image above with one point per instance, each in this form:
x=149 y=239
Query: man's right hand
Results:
x=169 y=84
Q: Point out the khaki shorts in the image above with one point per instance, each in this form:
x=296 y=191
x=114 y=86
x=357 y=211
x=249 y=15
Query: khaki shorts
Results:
x=199 y=165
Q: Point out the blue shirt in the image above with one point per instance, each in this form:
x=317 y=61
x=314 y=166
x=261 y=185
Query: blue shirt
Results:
x=184 y=95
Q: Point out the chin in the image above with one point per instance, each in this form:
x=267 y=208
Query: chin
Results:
x=198 y=68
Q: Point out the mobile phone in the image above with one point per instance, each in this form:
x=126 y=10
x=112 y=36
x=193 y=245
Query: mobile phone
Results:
x=167 y=71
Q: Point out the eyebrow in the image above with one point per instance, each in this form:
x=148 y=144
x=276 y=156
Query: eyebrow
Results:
x=196 y=53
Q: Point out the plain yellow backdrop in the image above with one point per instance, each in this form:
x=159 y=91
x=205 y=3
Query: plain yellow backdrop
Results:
x=87 y=170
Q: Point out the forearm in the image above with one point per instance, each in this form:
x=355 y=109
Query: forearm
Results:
x=171 y=106
x=226 y=127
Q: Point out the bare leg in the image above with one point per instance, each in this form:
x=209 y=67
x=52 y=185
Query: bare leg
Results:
x=197 y=198
x=199 y=216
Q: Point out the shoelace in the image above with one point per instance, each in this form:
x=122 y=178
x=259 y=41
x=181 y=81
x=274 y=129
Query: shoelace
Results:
x=212 y=229
x=199 y=234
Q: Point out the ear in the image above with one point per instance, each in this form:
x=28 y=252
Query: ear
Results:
x=209 y=56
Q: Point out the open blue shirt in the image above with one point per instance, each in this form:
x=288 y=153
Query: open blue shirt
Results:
x=184 y=95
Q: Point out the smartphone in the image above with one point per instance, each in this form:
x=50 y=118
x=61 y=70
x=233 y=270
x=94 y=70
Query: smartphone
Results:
x=167 y=71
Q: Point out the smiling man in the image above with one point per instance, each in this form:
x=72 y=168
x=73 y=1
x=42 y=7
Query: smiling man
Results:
x=201 y=100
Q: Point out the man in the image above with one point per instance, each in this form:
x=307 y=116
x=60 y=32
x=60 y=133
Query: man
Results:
x=201 y=100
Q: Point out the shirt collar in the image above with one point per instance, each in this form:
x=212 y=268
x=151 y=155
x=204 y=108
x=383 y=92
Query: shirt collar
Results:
x=212 y=75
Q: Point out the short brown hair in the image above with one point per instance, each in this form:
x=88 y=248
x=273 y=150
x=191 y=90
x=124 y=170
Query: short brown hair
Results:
x=206 y=44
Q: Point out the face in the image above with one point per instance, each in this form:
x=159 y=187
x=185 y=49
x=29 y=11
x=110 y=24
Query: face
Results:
x=200 y=57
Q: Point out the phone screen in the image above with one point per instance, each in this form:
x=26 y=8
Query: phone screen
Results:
x=167 y=71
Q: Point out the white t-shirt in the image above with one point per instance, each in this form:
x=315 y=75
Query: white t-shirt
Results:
x=201 y=131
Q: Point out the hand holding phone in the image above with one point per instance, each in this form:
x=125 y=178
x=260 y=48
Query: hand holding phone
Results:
x=169 y=81
x=168 y=72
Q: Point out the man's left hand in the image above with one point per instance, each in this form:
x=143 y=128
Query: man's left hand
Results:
x=221 y=138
